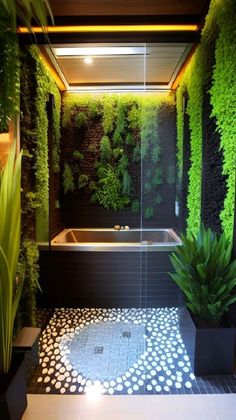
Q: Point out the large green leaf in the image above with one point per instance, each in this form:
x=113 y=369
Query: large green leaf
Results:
x=204 y=273
x=10 y=222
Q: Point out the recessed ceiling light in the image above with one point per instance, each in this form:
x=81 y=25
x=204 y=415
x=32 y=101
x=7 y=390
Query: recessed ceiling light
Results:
x=98 y=51
x=88 y=60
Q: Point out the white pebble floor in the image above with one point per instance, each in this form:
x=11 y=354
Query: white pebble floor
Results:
x=152 y=359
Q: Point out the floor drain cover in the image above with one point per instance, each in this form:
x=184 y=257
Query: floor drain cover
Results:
x=98 y=350
x=126 y=334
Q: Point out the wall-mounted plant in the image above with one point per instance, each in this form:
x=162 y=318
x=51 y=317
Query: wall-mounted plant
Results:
x=135 y=206
x=158 y=199
x=92 y=148
x=117 y=138
x=28 y=266
x=68 y=179
x=109 y=113
x=122 y=164
x=83 y=180
x=147 y=187
x=127 y=183
x=134 y=119
x=105 y=149
x=171 y=175
x=108 y=191
x=117 y=152
x=137 y=153
x=148 y=213
x=81 y=120
x=78 y=155
x=157 y=178
x=156 y=152
x=129 y=140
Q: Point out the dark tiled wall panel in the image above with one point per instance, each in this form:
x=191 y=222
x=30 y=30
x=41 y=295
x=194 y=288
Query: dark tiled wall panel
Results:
x=107 y=279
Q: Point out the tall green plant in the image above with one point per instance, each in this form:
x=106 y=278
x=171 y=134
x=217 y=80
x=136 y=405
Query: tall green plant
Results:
x=10 y=225
x=27 y=10
x=204 y=273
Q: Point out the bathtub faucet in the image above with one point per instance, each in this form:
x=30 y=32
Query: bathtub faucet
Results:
x=118 y=227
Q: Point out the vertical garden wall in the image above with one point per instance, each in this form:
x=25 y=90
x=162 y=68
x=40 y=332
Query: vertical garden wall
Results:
x=114 y=146
x=211 y=71
x=36 y=86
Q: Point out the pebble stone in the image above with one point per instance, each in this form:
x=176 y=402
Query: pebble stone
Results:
x=164 y=354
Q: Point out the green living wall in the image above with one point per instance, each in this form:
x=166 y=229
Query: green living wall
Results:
x=36 y=85
x=126 y=138
x=218 y=37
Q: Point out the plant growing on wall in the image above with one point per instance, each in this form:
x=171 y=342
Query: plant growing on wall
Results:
x=9 y=50
x=109 y=190
x=217 y=36
x=83 y=180
x=28 y=268
x=127 y=122
x=105 y=149
x=68 y=179
x=81 y=120
x=78 y=155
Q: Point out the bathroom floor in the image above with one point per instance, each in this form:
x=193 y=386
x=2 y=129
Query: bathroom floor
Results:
x=119 y=351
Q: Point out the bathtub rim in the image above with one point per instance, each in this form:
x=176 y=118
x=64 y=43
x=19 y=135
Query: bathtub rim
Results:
x=112 y=246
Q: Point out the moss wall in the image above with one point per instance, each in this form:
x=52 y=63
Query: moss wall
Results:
x=106 y=140
x=36 y=85
x=218 y=36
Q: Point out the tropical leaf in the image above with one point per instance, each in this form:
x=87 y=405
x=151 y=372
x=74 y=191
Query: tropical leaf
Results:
x=204 y=273
x=10 y=221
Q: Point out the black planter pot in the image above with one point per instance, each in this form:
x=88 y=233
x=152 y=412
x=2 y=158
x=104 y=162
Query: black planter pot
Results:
x=13 y=400
x=211 y=350
x=27 y=342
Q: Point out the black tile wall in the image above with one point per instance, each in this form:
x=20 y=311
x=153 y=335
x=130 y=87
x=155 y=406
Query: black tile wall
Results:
x=106 y=279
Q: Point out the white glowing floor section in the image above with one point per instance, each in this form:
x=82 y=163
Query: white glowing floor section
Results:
x=113 y=351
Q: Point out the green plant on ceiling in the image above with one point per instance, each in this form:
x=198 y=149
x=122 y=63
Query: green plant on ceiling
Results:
x=10 y=286
x=205 y=275
x=68 y=179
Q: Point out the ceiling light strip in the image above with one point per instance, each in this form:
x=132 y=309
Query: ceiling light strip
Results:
x=111 y=28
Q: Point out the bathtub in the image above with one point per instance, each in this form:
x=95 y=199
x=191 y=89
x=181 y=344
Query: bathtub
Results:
x=115 y=241
x=107 y=268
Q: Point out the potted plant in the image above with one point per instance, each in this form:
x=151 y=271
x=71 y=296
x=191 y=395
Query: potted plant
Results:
x=207 y=277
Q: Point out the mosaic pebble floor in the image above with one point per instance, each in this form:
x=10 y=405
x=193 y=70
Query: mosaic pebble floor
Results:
x=119 y=351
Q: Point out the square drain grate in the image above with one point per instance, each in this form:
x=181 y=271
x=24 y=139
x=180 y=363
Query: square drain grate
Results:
x=126 y=334
x=98 y=350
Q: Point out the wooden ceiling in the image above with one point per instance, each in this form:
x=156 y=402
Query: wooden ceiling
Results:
x=128 y=7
